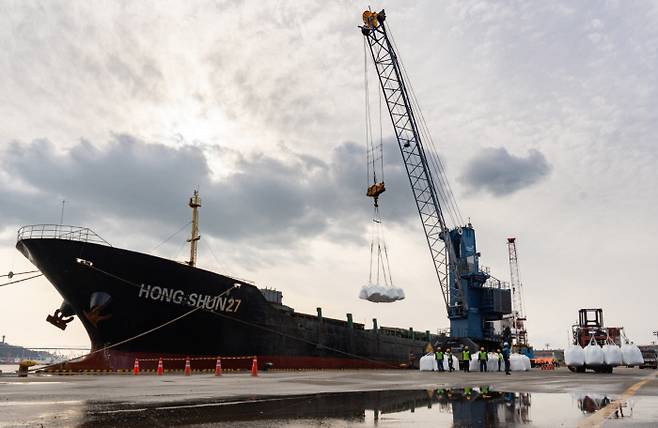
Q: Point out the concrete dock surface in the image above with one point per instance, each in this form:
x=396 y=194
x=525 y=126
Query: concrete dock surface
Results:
x=335 y=398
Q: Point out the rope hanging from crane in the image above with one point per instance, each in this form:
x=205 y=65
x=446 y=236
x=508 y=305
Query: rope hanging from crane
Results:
x=380 y=288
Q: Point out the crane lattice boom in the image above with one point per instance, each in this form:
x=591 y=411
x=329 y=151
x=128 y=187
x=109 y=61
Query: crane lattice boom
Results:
x=518 y=314
x=411 y=147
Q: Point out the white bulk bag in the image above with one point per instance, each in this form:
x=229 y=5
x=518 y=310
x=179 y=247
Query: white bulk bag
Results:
x=594 y=354
x=428 y=363
x=380 y=294
x=492 y=362
x=612 y=354
x=526 y=362
x=631 y=355
x=455 y=363
x=516 y=363
x=574 y=356
x=475 y=364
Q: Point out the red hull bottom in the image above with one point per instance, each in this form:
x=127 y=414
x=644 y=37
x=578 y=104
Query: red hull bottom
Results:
x=119 y=361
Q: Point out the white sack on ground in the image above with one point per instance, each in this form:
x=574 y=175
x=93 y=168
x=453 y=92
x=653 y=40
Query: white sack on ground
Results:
x=612 y=355
x=428 y=363
x=526 y=362
x=594 y=354
x=516 y=363
x=574 y=356
x=474 y=365
x=492 y=362
x=455 y=363
x=631 y=355
x=380 y=294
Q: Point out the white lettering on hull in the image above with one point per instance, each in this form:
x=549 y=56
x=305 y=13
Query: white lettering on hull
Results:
x=206 y=301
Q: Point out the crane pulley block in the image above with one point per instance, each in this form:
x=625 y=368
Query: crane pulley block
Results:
x=376 y=189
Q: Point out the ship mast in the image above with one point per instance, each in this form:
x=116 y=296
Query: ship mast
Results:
x=195 y=204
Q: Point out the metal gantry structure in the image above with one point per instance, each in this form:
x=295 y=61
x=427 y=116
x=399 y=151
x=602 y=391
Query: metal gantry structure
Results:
x=471 y=303
x=415 y=160
x=519 y=332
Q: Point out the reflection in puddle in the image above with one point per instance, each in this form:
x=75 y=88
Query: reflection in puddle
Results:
x=461 y=406
x=456 y=407
x=591 y=403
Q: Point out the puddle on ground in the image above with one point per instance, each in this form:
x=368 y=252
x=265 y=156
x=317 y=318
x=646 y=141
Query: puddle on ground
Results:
x=456 y=407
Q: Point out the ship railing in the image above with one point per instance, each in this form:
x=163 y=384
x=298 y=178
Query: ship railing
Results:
x=60 y=231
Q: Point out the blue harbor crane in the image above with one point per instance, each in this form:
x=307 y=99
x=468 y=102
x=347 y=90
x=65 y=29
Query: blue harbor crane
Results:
x=473 y=299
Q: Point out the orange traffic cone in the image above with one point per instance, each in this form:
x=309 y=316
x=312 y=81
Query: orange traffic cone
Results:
x=188 y=368
x=254 y=367
x=218 y=367
x=136 y=367
x=160 y=371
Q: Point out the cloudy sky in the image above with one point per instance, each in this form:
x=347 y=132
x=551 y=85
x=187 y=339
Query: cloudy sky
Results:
x=544 y=114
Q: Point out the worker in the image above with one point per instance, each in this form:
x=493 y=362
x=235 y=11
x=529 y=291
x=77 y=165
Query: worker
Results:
x=439 y=359
x=482 y=358
x=449 y=357
x=506 y=357
x=466 y=359
x=500 y=358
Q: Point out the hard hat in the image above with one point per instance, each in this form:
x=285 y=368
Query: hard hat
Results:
x=505 y=344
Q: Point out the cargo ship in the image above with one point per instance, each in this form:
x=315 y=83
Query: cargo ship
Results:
x=136 y=305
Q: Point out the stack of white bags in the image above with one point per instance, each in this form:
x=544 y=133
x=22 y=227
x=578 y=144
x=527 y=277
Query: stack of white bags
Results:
x=518 y=363
x=610 y=354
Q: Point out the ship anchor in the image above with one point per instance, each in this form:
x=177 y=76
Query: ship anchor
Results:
x=59 y=320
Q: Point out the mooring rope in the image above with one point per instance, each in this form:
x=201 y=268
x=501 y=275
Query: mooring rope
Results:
x=10 y=275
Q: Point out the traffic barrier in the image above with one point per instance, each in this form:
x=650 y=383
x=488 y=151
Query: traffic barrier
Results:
x=158 y=369
x=188 y=368
x=218 y=367
x=254 y=367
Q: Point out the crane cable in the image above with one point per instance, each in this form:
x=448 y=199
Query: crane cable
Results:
x=379 y=249
x=379 y=261
x=445 y=189
x=374 y=152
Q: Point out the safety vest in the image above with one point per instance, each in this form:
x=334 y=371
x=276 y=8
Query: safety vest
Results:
x=500 y=355
x=439 y=355
x=466 y=355
x=482 y=356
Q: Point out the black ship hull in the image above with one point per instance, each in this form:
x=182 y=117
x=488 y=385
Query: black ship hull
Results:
x=138 y=306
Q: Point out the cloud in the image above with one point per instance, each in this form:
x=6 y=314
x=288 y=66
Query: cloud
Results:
x=263 y=199
x=496 y=171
